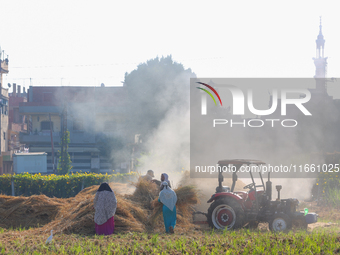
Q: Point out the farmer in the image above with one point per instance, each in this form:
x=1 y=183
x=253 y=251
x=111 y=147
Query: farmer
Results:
x=168 y=198
x=105 y=205
x=148 y=177
x=165 y=178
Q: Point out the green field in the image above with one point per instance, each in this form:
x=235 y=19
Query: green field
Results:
x=195 y=242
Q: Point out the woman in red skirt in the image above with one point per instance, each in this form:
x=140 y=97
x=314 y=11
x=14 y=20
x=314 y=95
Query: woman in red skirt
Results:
x=105 y=205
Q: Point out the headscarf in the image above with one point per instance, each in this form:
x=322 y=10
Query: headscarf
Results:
x=167 y=196
x=166 y=179
x=105 y=186
x=105 y=204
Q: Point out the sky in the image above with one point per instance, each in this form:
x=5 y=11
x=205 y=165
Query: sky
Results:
x=73 y=43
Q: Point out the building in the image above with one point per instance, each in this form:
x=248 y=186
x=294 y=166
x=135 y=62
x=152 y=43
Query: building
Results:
x=16 y=122
x=91 y=115
x=5 y=167
x=319 y=96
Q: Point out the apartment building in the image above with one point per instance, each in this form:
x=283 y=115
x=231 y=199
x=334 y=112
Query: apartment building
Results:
x=5 y=167
x=88 y=113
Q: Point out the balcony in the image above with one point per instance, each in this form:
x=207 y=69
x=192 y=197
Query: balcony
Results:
x=40 y=137
x=32 y=108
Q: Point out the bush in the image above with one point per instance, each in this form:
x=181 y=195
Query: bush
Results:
x=328 y=186
x=61 y=186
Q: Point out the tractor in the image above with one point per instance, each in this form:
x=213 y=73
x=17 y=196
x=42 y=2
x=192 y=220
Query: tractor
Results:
x=232 y=209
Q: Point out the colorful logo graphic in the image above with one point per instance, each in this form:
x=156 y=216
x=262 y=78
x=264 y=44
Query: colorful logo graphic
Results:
x=213 y=90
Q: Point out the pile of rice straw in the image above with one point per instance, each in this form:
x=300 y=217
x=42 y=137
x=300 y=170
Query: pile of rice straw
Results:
x=78 y=217
x=28 y=211
x=76 y=214
x=144 y=193
x=187 y=197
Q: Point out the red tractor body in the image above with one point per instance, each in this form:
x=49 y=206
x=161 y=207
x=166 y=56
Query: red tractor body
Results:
x=235 y=209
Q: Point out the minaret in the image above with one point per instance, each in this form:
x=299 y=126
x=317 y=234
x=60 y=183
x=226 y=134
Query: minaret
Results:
x=320 y=62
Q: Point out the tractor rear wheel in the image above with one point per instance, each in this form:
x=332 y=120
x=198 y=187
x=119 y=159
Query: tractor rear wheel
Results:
x=225 y=213
x=280 y=222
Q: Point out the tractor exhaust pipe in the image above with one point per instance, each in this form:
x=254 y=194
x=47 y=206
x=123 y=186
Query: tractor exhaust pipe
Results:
x=278 y=188
x=269 y=188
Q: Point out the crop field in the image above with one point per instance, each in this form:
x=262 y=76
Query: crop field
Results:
x=195 y=242
x=72 y=221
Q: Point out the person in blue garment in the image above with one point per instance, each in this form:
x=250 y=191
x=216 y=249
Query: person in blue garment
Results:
x=168 y=198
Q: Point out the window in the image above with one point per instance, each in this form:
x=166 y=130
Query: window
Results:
x=78 y=125
x=45 y=125
x=4 y=135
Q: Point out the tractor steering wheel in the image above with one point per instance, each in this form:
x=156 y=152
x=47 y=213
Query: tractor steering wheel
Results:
x=249 y=186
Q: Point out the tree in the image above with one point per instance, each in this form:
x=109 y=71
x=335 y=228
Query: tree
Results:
x=64 y=165
x=153 y=89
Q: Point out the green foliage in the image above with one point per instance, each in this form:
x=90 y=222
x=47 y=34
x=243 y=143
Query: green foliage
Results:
x=61 y=186
x=238 y=242
x=328 y=185
x=64 y=165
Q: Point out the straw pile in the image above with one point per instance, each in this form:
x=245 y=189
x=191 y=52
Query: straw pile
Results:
x=187 y=197
x=75 y=215
x=144 y=193
x=28 y=211
x=78 y=216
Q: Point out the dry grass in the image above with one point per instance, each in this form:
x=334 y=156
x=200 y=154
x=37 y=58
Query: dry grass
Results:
x=76 y=214
x=187 y=197
x=28 y=211
x=144 y=193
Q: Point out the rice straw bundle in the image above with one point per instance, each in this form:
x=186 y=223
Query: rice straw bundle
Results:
x=28 y=212
x=145 y=193
x=187 y=196
x=76 y=214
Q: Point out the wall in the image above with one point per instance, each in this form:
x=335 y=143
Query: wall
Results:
x=30 y=163
x=36 y=125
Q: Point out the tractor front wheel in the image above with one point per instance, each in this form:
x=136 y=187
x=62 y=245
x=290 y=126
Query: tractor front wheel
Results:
x=280 y=222
x=225 y=213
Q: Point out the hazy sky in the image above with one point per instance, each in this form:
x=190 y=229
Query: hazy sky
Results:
x=90 y=42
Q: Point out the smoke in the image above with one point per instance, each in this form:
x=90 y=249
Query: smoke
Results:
x=304 y=145
x=160 y=112
x=95 y=119
x=168 y=146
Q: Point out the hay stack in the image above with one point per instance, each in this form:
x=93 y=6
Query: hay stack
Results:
x=144 y=193
x=71 y=215
x=27 y=212
x=75 y=215
x=187 y=197
x=78 y=216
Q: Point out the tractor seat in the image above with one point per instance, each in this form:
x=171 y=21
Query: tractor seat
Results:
x=223 y=189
